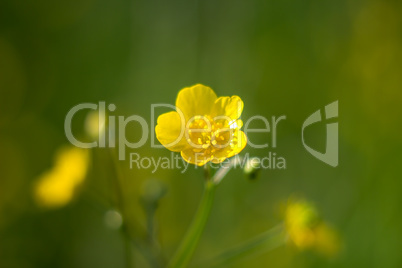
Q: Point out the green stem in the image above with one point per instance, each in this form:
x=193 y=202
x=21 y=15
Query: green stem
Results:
x=128 y=250
x=221 y=173
x=117 y=180
x=128 y=230
x=190 y=241
x=264 y=242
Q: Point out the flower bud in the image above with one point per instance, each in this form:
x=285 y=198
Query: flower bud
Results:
x=113 y=219
x=152 y=191
x=252 y=167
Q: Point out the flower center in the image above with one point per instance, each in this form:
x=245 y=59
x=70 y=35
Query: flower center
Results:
x=208 y=135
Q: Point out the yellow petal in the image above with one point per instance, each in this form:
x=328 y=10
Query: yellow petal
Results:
x=73 y=162
x=169 y=131
x=192 y=157
x=56 y=187
x=239 y=142
x=236 y=124
x=231 y=107
x=53 y=189
x=195 y=100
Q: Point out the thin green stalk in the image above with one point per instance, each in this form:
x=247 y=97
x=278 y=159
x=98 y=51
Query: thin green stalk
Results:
x=128 y=250
x=129 y=224
x=183 y=255
x=121 y=205
x=264 y=242
x=221 y=173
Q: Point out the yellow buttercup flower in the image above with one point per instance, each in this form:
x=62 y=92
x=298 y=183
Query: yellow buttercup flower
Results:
x=56 y=187
x=307 y=231
x=204 y=127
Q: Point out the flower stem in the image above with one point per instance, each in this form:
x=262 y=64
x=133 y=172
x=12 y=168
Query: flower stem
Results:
x=183 y=255
x=117 y=181
x=130 y=224
x=128 y=251
x=264 y=242
x=221 y=173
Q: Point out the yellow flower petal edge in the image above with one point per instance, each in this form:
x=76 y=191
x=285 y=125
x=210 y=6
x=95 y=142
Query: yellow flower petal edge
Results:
x=228 y=106
x=204 y=127
x=195 y=100
x=169 y=131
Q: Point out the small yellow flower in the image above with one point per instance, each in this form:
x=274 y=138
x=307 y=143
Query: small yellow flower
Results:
x=55 y=188
x=204 y=127
x=307 y=231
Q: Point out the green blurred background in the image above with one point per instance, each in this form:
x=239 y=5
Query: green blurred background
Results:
x=281 y=57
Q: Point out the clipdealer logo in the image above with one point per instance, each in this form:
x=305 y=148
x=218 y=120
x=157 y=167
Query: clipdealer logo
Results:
x=330 y=156
x=113 y=133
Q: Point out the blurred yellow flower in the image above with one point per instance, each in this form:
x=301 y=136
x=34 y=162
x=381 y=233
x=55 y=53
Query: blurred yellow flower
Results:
x=204 y=127
x=55 y=188
x=307 y=231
